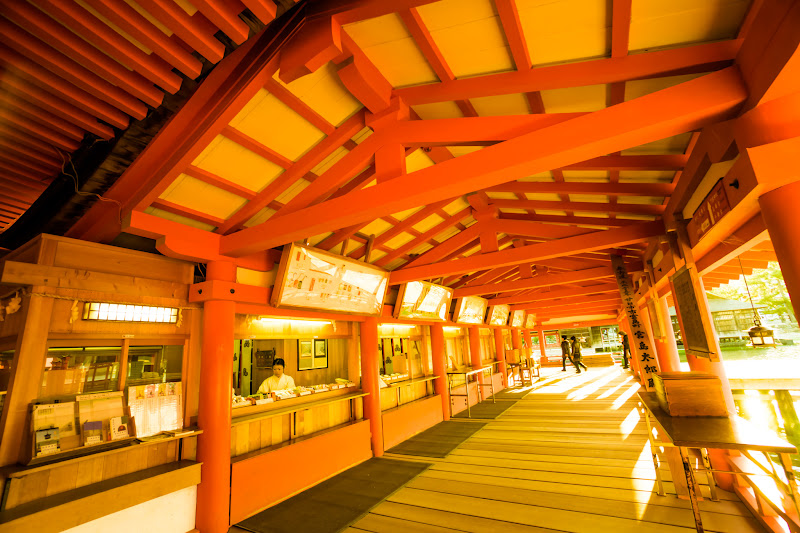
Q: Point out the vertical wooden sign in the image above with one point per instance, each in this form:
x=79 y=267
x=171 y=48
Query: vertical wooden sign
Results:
x=640 y=342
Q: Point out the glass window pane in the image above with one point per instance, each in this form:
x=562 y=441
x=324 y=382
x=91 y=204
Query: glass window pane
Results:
x=70 y=371
x=154 y=364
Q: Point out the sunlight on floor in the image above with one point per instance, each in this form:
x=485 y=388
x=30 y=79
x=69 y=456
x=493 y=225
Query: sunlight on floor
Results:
x=594 y=386
x=630 y=423
x=625 y=396
x=615 y=389
x=646 y=458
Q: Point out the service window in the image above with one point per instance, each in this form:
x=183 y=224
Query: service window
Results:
x=80 y=370
x=154 y=364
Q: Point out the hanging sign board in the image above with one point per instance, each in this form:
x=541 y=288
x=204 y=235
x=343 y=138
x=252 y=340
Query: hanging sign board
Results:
x=641 y=344
x=517 y=318
x=470 y=310
x=690 y=306
x=711 y=210
x=498 y=315
x=423 y=301
x=316 y=279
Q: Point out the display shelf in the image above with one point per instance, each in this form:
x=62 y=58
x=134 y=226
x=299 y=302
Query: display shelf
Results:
x=88 y=453
x=284 y=407
x=409 y=382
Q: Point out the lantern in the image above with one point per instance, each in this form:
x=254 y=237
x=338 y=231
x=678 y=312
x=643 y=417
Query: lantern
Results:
x=760 y=336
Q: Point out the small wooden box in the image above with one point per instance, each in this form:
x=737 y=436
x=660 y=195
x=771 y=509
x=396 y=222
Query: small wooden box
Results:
x=690 y=394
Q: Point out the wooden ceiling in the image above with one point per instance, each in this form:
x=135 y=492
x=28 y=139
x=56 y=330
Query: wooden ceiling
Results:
x=502 y=147
x=77 y=72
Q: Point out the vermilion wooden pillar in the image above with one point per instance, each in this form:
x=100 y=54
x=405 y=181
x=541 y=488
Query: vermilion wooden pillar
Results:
x=500 y=354
x=526 y=334
x=542 y=347
x=779 y=208
x=370 y=382
x=665 y=360
x=634 y=363
x=214 y=412
x=671 y=360
x=516 y=343
x=474 y=333
x=439 y=368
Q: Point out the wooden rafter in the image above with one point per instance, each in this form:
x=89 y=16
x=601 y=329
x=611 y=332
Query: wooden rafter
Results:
x=664 y=113
x=696 y=58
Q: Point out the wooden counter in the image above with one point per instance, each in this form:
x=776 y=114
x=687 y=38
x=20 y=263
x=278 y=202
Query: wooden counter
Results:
x=402 y=392
x=261 y=426
x=29 y=483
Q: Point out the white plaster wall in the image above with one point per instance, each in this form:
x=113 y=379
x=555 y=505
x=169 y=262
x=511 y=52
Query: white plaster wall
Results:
x=172 y=513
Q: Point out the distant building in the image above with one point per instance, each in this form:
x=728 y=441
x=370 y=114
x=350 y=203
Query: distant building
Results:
x=732 y=318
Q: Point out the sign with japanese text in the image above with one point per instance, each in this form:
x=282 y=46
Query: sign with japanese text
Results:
x=711 y=210
x=315 y=279
x=640 y=342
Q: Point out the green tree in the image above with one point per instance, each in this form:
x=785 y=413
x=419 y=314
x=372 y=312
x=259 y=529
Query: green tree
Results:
x=767 y=288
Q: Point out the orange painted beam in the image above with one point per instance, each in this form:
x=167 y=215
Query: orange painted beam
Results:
x=256 y=147
x=449 y=246
x=298 y=106
x=607 y=189
x=187 y=243
x=678 y=109
x=536 y=230
x=697 y=58
x=223 y=17
x=439 y=228
x=470 y=130
x=555 y=294
x=364 y=80
x=316 y=43
x=265 y=10
x=566 y=219
x=620 y=27
x=768 y=58
x=546 y=250
x=642 y=209
x=141 y=29
x=300 y=168
x=188 y=212
x=753 y=232
x=538 y=281
x=582 y=303
x=400 y=227
x=66 y=68
x=217 y=100
x=42 y=78
x=189 y=29
x=219 y=182
x=578 y=314
x=632 y=162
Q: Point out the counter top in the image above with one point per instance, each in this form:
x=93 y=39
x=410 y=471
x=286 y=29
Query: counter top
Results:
x=408 y=382
x=283 y=407
x=724 y=432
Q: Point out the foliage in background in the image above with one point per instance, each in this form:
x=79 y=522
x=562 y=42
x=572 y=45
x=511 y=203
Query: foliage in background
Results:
x=766 y=287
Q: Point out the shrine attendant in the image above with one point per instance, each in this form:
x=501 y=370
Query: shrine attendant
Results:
x=278 y=380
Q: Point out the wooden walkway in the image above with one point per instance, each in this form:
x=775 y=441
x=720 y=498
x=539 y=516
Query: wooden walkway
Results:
x=571 y=456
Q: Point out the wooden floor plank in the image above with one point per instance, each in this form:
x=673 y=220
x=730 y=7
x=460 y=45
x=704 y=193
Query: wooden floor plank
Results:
x=645 y=497
x=531 y=515
x=588 y=504
x=571 y=455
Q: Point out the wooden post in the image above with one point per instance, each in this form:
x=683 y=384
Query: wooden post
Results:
x=782 y=217
x=214 y=416
x=500 y=354
x=440 y=367
x=474 y=334
x=26 y=376
x=669 y=346
x=791 y=424
x=542 y=348
x=370 y=382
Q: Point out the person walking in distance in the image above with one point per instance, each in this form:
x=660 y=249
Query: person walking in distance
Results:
x=576 y=355
x=565 y=352
x=626 y=349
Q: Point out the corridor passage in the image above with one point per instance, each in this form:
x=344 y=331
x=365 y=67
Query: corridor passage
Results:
x=572 y=455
